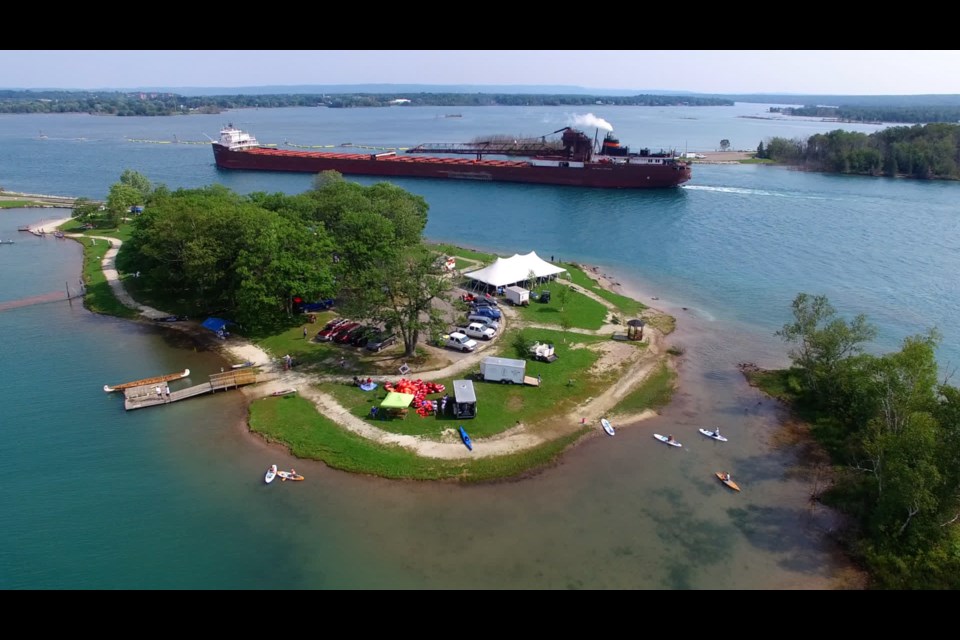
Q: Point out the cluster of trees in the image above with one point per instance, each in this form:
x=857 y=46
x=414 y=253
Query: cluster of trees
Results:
x=164 y=104
x=879 y=113
x=98 y=103
x=250 y=256
x=894 y=431
x=930 y=151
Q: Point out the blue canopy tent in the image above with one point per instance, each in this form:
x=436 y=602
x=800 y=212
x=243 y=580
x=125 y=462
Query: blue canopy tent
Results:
x=217 y=325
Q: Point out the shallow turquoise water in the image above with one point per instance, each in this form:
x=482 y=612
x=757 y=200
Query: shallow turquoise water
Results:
x=172 y=497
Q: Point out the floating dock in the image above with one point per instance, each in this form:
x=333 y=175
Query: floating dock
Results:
x=146 y=395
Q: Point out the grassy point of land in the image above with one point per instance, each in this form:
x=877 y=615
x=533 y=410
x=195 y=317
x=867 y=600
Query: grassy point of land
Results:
x=99 y=297
x=296 y=423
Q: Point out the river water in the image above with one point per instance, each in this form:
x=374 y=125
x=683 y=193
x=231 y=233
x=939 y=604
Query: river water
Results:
x=173 y=497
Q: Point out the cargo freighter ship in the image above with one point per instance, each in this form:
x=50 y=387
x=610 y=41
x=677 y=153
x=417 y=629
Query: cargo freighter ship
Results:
x=574 y=160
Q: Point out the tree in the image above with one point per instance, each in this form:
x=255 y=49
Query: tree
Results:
x=84 y=208
x=120 y=199
x=760 y=150
x=822 y=339
x=137 y=181
x=399 y=291
x=724 y=145
x=562 y=292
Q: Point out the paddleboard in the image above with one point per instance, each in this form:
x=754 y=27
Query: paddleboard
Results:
x=606 y=426
x=271 y=474
x=712 y=434
x=730 y=483
x=286 y=475
x=667 y=440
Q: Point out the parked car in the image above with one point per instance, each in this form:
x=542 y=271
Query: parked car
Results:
x=477 y=330
x=381 y=341
x=486 y=321
x=347 y=333
x=326 y=334
x=490 y=312
x=363 y=335
x=459 y=341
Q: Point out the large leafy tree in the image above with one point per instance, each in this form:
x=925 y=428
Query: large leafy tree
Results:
x=399 y=291
x=137 y=181
x=822 y=338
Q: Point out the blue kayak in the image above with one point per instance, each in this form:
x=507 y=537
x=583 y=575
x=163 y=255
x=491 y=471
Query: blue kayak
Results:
x=465 y=438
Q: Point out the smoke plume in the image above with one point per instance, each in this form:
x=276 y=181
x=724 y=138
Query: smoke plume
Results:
x=590 y=121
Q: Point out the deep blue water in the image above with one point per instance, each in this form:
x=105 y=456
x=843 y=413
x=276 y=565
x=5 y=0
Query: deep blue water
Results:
x=171 y=497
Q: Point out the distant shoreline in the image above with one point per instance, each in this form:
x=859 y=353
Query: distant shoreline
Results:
x=36 y=200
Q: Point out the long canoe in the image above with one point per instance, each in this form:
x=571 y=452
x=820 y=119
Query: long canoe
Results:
x=146 y=381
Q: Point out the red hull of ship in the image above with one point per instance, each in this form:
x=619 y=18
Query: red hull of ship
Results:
x=605 y=175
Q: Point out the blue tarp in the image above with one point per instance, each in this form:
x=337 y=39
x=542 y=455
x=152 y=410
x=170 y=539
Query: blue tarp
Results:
x=215 y=324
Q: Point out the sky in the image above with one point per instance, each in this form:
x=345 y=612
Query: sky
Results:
x=888 y=72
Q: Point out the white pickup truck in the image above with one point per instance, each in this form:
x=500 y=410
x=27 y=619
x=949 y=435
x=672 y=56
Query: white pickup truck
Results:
x=459 y=341
x=477 y=330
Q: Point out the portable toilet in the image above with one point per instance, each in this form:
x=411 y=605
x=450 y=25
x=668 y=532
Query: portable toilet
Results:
x=464 y=400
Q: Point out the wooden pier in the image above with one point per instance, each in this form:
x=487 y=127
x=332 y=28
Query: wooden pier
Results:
x=146 y=395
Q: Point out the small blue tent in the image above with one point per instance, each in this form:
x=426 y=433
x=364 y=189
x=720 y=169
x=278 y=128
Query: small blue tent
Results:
x=216 y=324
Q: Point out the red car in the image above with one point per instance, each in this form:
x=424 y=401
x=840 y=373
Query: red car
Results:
x=327 y=333
x=341 y=334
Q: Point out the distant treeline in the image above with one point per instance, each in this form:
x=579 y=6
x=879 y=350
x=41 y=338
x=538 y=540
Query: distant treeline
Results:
x=930 y=151
x=913 y=114
x=165 y=104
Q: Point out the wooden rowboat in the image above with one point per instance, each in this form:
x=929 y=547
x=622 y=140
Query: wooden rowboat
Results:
x=146 y=381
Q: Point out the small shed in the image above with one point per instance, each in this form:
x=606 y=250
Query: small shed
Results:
x=464 y=400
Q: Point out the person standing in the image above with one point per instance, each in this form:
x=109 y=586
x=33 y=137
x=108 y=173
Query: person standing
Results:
x=166 y=391
x=159 y=392
x=304 y=333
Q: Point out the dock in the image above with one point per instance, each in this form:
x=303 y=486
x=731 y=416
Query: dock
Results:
x=146 y=395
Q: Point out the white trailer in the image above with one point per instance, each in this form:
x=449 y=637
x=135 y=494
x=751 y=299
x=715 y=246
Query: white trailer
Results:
x=517 y=295
x=505 y=370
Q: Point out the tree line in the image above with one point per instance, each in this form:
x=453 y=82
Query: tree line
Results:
x=893 y=432
x=165 y=104
x=880 y=113
x=926 y=152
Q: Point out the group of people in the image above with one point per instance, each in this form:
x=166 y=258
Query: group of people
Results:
x=163 y=393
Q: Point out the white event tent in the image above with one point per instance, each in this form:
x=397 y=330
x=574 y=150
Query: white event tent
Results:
x=516 y=268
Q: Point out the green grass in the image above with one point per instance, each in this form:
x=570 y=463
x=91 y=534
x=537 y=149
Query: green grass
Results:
x=655 y=392
x=19 y=204
x=776 y=383
x=757 y=161
x=499 y=406
x=580 y=310
x=453 y=250
x=99 y=297
x=295 y=422
x=627 y=307
x=122 y=233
